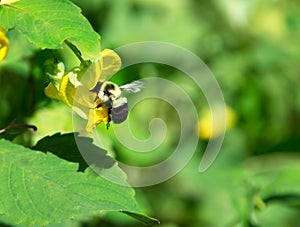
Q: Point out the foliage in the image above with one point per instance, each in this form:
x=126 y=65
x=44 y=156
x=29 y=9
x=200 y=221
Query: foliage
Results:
x=48 y=24
x=31 y=177
x=41 y=188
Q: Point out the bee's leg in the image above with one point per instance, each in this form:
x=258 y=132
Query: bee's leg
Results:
x=108 y=125
x=109 y=118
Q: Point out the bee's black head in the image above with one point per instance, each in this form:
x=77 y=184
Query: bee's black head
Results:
x=108 y=88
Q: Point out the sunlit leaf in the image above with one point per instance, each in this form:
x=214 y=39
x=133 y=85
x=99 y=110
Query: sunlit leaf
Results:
x=48 y=23
x=39 y=189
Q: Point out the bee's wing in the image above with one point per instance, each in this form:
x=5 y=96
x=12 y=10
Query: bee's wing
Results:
x=133 y=87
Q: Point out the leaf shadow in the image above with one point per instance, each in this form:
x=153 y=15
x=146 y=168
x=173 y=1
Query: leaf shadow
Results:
x=66 y=146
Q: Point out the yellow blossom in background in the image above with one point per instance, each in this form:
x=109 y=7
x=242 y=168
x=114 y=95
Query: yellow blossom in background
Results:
x=3 y=44
x=270 y=22
x=206 y=123
x=74 y=88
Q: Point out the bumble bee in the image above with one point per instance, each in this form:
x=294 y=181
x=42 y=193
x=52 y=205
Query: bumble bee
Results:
x=110 y=95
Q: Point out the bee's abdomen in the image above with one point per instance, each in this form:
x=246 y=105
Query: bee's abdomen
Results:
x=119 y=113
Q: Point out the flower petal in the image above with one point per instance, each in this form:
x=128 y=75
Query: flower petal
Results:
x=111 y=63
x=3 y=44
x=206 y=122
x=84 y=97
x=97 y=116
x=67 y=90
x=91 y=75
x=76 y=85
x=73 y=77
x=52 y=92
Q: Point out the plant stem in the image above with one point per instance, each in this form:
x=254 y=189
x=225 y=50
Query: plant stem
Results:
x=75 y=51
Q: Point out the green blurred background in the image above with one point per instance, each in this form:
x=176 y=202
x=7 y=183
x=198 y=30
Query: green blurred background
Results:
x=252 y=48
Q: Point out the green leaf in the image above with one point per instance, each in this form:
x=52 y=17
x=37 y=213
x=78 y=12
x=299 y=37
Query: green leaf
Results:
x=276 y=177
x=38 y=189
x=48 y=23
x=288 y=199
x=145 y=219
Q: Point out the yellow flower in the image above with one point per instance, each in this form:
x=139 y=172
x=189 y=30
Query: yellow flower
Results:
x=3 y=44
x=97 y=116
x=206 y=123
x=74 y=88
